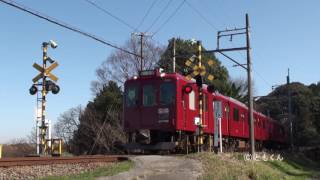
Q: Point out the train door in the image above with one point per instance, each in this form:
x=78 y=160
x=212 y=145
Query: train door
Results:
x=226 y=118
x=256 y=126
x=205 y=111
x=246 y=124
x=189 y=109
x=243 y=122
x=235 y=126
x=167 y=103
x=184 y=101
x=148 y=111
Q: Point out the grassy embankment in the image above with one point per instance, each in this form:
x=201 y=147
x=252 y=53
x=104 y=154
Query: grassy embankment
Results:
x=234 y=166
x=108 y=170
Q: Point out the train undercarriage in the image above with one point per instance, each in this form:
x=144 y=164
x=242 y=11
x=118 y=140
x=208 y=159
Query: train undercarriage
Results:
x=152 y=141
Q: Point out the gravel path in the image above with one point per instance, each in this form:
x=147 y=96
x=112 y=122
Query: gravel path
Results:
x=36 y=172
x=160 y=167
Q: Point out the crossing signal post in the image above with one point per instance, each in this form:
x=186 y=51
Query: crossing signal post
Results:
x=198 y=72
x=42 y=80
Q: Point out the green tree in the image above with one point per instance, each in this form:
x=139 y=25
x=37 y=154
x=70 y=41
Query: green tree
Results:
x=100 y=127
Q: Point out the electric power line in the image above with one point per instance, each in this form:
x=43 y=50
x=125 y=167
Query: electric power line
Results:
x=215 y=28
x=110 y=14
x=157 y=18
x=147 y=13
x=202 y=16
x=62 y=24
x=170 y=17
x=261 y=77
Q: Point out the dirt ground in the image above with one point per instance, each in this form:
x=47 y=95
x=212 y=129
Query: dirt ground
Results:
x=157 y=167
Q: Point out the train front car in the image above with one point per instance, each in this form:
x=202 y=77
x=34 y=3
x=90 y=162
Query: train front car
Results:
x=149 y=110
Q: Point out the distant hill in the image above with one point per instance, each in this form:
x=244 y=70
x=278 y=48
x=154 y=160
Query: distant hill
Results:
x=305 y=102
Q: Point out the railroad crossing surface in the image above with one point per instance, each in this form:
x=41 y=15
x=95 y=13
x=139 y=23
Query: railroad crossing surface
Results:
x=157 y=167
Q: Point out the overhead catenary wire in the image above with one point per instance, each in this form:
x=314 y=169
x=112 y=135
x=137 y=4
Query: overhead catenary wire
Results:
x=64 y=25
x=157 y=18
x=110 y=14
x=215 y=28
x=145 y=16
x=202 y=16
x=170 y=17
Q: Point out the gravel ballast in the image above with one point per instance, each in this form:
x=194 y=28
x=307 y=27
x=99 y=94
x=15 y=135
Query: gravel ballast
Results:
x=40 y=171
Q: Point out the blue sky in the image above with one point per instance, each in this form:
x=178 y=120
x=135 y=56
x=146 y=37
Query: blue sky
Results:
x=284 y=34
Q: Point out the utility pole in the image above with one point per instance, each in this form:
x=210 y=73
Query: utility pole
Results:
x=250 y=98
x=174 y=56
x=289 y=109
x=236 y=32
x=141 y=35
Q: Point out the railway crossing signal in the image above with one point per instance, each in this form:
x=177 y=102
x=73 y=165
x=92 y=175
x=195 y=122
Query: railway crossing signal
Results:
x=44 y=140
x=197 y=70
x=187 y=89
x=45 y=72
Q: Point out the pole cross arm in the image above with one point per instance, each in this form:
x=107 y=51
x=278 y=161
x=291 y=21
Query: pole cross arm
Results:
x=224 y=50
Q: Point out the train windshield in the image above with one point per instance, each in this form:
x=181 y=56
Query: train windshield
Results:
x=149 y=96
x=167 y=93
x=132 y=96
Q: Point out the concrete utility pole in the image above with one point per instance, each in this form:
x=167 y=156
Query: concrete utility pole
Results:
x=231 y=33
x=141 y=35
x=250 y=98
x=289 y=109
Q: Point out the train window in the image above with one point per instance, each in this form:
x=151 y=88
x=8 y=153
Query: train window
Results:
x=227 y=110
x=167 y=93
x=132 y=96
x=149 y=96
x=192 y=100
x=242 y=116
x=235 y=114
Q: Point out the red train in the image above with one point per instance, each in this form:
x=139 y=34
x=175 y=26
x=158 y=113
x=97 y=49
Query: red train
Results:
x=160 y=110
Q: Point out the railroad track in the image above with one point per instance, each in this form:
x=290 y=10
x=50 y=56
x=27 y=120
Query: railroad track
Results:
x=30 y=161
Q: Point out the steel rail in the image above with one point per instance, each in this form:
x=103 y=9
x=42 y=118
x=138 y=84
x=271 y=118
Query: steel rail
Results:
x=30 y=161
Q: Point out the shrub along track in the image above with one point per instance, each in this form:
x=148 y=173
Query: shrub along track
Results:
x=31 y=161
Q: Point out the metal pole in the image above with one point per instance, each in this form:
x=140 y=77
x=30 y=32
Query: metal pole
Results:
x=220 y=134
x=174 y=56
x=43 y=102
x=200 y=98
x=37 y=136
x=0 y=151
x=250 y=99
x=289 y=109
x=37 y=124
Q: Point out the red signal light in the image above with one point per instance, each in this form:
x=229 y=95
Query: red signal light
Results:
x=187 y=89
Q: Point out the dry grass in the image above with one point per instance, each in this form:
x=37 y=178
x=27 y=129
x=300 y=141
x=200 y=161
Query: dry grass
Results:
x=234 y=166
